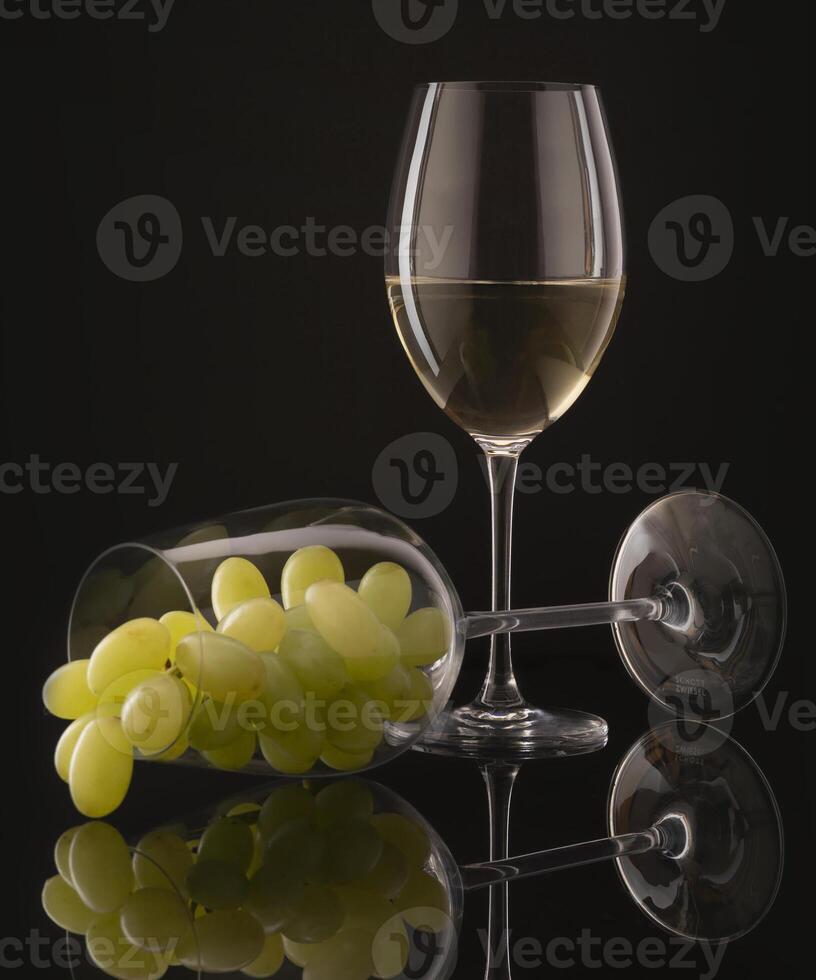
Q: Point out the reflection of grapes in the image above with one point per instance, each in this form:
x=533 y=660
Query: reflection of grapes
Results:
x=315 y=682
x=312 y=876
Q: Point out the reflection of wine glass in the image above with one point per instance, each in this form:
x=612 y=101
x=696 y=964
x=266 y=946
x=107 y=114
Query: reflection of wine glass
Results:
x=505 y=289
x=697 y=603
x=348 y=880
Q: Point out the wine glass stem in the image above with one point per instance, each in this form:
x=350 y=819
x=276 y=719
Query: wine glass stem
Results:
x=566 y=617
x=574 y=855
x=500 y=688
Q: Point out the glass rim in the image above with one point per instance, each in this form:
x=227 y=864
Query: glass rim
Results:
x=488 y=85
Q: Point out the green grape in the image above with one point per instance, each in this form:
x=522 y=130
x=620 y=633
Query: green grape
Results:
x=297 y=850
x=101 y=867
x=354 y=723
x=389 y=874
x=391 y=691
x=282 y=697
x=316 y=917
x=353 y=849
x=298 y=953
x=292 y=753
x=110 y=950
x=348 y=799
x=341 y=761
x=155 y=919
x=314 y=563
x=221 y=666
x=67 y=744
x=62 y=854
x=181 y=624
x=386 y=590
x=273 y=897
x=217 y=884
x=66 y=693
x=298 y=618
x=418 y=700
x=408 y=837
x=227 y=839
x=244 y=809
x=320 y=671
x=214 y=725
x=227 y=941
x=140 y=644
x=390 y=948
x=174 y=751
x=364 y=910
x=285 y=804
x=65 y=908
x=424 y=637
x=112 y=699
x=156 y=712
x=235 y=756
x=258 y=623
x=378 y=665
x=162 y=860
x=342 y=618
x=346 y=956
x=270 y=960
x=235 y=581
x=424 y=903
x=101 y=769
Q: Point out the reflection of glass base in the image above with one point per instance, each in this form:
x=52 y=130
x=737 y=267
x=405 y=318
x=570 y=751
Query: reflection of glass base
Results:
x=478 y=731
x=725 y=875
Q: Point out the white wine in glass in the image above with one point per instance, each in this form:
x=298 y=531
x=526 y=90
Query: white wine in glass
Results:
x=505 y=284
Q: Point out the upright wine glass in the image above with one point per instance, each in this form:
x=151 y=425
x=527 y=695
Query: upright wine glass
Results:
x=505 y=288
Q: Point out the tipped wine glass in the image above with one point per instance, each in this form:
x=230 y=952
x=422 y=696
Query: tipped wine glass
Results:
x=347 y=880
x=697 y=604
x=505 y=288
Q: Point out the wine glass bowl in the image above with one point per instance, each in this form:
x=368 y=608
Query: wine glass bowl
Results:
x=176 y=572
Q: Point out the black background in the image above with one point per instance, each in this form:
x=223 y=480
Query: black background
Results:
x=269 y=378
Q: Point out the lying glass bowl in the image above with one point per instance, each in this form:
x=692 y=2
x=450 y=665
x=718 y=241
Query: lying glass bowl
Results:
x=305 y=638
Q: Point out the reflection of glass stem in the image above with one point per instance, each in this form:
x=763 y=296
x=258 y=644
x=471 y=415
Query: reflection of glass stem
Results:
x=670 y=836
x=499 y=780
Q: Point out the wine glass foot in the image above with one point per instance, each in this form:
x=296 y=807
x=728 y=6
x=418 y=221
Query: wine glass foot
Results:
x=514 y=732
x=720 y=577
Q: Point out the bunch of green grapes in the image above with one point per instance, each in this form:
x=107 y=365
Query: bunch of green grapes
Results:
x=318 y=879
x=313 y=678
